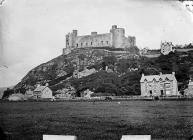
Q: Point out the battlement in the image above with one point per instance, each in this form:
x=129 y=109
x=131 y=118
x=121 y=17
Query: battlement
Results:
x=115 y=38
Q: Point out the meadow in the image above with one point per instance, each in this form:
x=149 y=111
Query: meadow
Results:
x=97 y=120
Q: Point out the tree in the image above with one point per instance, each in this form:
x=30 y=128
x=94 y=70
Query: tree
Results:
x=109 y=60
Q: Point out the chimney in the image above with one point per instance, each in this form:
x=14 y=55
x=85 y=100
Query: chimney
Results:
x=114 y=27
x=173 y=73
x=143 y=74
x=46 y=84
x=93 y=33
x=106 y=68
x=38 y=85
x=160 y=73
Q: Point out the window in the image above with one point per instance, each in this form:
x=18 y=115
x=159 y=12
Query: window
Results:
x=187 y=5
x=167 y=85
x=107 y=42
x=91 y=43
x=86 y=44
x=102 y=42
x=81 y=44
x=77 y=44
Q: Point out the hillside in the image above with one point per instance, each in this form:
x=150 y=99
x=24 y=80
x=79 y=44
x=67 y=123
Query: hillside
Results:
x=123 y=79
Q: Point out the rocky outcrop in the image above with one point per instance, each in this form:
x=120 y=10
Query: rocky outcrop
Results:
x=62 y=67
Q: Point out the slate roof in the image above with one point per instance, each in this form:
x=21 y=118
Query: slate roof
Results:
x=160 y=77
x=40 y=88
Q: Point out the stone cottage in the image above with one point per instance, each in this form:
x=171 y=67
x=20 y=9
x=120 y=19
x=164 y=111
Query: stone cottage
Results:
x=42 y=92
x=159 y=85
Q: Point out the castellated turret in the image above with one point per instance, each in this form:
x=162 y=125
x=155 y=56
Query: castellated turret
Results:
x=115 y=38
x=71 y=39
x=118 y=36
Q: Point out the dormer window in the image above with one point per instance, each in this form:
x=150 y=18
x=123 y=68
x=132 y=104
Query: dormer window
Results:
x=167 y=79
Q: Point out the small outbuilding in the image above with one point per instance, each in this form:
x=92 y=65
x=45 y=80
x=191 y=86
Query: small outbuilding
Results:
x=42 y=92
x=29 y=94
x=189 y=90
x=87 y=93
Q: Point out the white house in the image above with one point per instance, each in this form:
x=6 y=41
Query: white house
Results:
x=159 y=85
x=166 y=47
x=42 y=92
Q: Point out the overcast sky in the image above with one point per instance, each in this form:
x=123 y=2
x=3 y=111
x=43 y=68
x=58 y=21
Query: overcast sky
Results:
x=33 y=31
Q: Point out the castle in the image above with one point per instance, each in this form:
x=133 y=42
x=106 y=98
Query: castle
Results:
x=115 y=38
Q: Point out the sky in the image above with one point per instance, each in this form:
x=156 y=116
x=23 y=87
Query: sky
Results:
x=33 y=31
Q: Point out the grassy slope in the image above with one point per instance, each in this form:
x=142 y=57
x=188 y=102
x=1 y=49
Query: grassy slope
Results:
x=99 y=120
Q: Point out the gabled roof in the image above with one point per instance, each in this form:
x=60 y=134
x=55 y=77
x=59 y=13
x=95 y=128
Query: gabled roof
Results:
x=40 y=88
x=161 y=77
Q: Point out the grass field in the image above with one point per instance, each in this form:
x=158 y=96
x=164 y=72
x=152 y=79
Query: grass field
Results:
x=99 y=120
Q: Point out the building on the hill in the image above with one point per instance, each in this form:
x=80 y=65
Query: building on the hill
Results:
x=144 y=51
x=166 y=47
x=115 y=38
x=83 y=73
x=159 y=85
x=150 y=53
x=42 y=92
x=188 y=4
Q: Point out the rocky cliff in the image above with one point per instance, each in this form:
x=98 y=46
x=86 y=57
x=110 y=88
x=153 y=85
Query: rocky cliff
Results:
x=61 y=68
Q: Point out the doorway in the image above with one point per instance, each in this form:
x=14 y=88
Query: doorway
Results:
x=162 y=93
x=150 y=92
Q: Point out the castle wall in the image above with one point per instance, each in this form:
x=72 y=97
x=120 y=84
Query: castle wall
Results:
x=96 y=40
x=115 y=38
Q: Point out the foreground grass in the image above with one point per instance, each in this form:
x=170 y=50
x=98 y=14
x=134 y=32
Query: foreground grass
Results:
x=99 y=120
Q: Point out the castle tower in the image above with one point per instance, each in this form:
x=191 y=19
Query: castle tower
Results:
x=71 y=38
x=118 y=35
x=132 y=41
